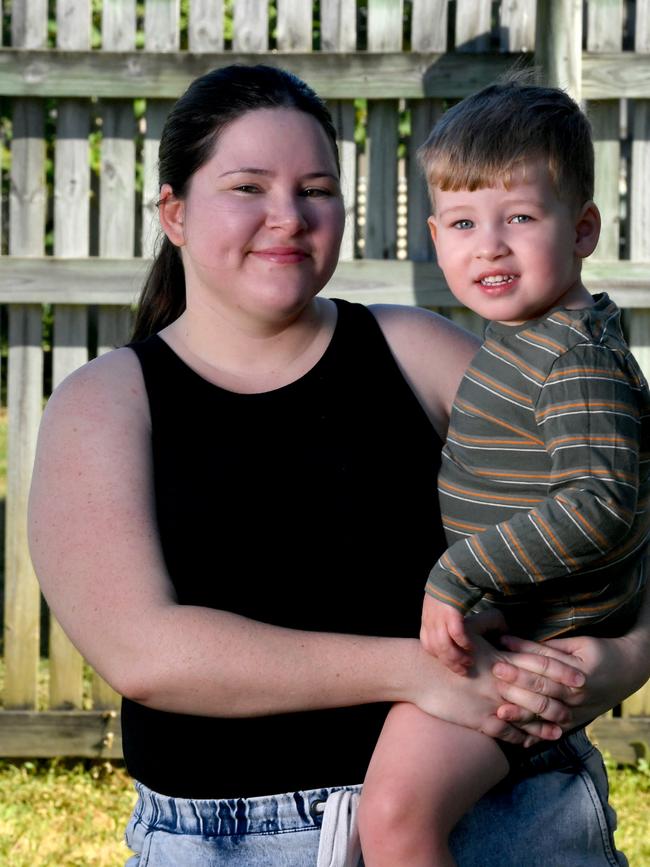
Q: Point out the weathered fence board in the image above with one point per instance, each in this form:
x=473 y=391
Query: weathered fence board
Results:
x=71 y=238
x=517 y=25
x=338 y=34
x=371 y=75
x=22 y=595
x=338 y=25
x=24 y=389
x=88 y=734
x=384 y=34
x=473 y=25
x=639 y=230
x=429 y=25
x=428 y=33
x=118 y=25
x=294 y=26
x=605 y=33
x=250 y=25
x=205 y=28
x=558 y=44
x=117 y=196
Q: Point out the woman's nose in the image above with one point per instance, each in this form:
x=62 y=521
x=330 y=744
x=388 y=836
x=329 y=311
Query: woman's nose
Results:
x=286 y=213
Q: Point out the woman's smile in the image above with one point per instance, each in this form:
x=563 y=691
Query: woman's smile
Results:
x=281 y=255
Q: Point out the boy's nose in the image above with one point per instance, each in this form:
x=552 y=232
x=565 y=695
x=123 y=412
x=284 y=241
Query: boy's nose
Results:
x=491 y=245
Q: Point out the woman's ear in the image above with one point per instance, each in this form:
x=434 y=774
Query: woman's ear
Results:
x=587 y=230
x=171 y=212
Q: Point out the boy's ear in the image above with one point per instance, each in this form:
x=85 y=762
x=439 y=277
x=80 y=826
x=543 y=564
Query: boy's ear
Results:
x=433 y=228
x=171 y=213
x=587 y=230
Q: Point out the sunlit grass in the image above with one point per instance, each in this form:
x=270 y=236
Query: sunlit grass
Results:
x=63 y=813
x=55 y=812
x=630 y=797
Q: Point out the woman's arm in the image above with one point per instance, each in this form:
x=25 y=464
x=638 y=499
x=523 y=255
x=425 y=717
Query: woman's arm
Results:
x=96 y=551
x=432 y=353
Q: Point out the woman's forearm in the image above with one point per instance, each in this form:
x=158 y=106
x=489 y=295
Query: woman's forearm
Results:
x=217 y=663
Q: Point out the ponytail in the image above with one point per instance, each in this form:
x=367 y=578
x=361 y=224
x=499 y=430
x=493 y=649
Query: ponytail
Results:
x=162 y=299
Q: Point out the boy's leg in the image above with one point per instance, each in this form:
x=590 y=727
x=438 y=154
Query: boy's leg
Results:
x=424 y=775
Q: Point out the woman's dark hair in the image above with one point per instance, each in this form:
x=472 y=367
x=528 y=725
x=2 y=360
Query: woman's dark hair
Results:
x=188 y=139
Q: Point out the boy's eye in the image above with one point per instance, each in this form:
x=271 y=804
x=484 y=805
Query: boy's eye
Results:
x=520 y=218
x=463 y=224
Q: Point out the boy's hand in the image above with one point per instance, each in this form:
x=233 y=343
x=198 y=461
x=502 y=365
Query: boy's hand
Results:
x=443 y=634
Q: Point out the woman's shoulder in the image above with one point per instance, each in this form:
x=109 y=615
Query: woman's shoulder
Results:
x=432 y=353
x=400 y=322
x=107 y=388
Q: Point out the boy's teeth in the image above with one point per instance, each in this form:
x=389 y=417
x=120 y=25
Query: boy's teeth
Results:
x=498 y=278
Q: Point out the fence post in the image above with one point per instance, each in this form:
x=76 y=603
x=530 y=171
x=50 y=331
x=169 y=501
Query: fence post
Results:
x=558 y=44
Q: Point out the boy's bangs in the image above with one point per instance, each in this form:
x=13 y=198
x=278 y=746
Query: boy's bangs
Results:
x=450 y=173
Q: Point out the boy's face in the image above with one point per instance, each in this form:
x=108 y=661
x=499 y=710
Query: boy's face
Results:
x=513 y=254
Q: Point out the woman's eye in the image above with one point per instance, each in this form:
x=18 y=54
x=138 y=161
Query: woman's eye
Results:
x=520 y=218
x=463 y=224
x=247 y=188
x=315 y=192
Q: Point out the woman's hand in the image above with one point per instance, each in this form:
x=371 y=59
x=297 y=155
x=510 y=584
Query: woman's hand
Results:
x=475 y=699
x=611 y=668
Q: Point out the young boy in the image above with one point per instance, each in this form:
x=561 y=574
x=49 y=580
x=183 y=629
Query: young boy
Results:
x=545 y=475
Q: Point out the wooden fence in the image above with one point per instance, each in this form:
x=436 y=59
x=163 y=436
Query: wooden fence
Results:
x=81 y=109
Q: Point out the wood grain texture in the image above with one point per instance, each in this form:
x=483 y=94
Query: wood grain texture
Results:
x=605 y=25
x=86 y=734
x=205 y=26
x=250 y=25
x=605 y=33
x=517 y=25
x=558 y=44
x=294 y=25
x=473 y=25
x=375 y=75
x=118 y=281
x=22 y=593
x=429 y=25
x=118 y=25
x=25 y=378
x=338 y=25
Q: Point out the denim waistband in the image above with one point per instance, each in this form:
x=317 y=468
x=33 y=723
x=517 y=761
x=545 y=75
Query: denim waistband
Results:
x=233 y=816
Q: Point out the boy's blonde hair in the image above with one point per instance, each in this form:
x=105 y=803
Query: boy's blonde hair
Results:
x=484 y=138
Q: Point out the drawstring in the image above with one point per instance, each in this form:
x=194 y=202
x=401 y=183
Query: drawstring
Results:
x=339 y=837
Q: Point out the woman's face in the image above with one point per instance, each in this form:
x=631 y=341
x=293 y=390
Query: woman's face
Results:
x=261 y=224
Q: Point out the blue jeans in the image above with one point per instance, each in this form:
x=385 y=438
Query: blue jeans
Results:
x=554 y=813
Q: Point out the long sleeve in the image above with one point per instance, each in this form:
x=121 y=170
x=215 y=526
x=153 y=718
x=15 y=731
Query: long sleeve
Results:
x=588 y=419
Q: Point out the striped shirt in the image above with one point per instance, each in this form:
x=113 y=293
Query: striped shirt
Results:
x=546 y=474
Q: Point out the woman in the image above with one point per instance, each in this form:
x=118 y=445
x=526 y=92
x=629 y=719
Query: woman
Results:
x=233 y=519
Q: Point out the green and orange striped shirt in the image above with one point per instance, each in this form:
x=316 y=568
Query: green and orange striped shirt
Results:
x=545 y=478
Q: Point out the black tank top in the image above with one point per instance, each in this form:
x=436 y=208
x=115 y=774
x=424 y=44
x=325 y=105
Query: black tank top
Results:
x=313 y=507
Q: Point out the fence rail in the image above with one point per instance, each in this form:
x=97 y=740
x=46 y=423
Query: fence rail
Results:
x=82 y=103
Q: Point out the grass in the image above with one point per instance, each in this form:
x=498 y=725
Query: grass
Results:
x=70 y=813
x=63 y=813
x=630 y=796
